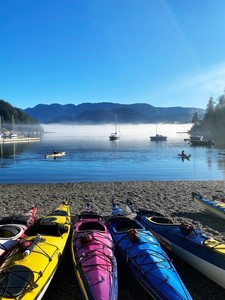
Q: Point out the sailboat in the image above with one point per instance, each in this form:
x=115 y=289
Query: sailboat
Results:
x=115 y=135
x=158 y=137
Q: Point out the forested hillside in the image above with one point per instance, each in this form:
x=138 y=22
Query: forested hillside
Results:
x=213 y=123
x=11 y=116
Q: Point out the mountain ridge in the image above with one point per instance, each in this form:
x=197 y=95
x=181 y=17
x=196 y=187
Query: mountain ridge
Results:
x=104 y=112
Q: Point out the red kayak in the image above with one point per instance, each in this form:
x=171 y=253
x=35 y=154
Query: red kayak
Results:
x=12 y=230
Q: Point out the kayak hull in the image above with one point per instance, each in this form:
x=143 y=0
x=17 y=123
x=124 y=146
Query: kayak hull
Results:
x=217 y=208
x=93 y=257
x=199 y=250
x=146 y=260
x=32 y=265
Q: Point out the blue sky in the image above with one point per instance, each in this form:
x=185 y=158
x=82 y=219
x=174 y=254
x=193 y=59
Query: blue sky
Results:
x=162 y=52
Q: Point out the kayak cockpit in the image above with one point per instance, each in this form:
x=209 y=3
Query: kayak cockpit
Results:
x=126 y=225
x=91 y=226
x=15 y=281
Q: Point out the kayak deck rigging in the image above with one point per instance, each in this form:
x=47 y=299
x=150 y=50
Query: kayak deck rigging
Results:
x=16 y=276
x=39 y=248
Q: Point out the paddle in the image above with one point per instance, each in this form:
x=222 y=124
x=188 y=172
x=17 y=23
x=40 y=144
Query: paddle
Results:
x=33 y=243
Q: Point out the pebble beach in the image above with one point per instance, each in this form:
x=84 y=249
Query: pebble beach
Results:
x=171 y=198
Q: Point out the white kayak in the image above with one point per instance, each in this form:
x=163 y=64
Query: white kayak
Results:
x=55 y=155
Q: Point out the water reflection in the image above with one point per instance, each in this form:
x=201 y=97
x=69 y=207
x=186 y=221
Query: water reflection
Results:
x=90 y=156
x=12 y=149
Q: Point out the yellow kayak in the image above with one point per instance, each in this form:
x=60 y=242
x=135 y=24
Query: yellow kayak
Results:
x=27 y=273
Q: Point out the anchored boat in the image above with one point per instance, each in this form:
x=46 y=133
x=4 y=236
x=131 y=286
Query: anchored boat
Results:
x=115 y=135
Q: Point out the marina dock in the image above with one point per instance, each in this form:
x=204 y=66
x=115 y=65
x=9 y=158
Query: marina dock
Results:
x=20 y=140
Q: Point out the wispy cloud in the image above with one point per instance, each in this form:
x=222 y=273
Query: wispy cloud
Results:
x=210 y=80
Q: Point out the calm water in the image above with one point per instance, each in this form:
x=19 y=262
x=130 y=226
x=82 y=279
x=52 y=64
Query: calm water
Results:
x=92 y=157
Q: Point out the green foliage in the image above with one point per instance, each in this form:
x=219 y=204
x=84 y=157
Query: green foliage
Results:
x=10 y=114
x=214 y=121
x=195 y=118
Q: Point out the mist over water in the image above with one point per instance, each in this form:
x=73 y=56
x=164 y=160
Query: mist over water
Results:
x=90 y=156
x=103 y=131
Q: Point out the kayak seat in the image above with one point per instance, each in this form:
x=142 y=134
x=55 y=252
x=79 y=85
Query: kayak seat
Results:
x=7 y=231
x=14 y=281
x=46 y=227
x=125 y=225
x=91 y=226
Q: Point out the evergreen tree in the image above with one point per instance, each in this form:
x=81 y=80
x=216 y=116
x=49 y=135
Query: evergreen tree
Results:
x=195 y=118
x=210 y=106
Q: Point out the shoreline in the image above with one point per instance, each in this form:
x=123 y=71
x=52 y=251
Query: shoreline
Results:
x=171 y=198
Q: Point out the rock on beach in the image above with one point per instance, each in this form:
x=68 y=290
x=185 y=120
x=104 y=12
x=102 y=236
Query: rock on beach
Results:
x=172 y=198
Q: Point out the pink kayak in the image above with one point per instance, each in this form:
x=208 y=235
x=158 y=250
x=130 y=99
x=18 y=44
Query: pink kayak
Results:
x=93 y=258
x=12 y=231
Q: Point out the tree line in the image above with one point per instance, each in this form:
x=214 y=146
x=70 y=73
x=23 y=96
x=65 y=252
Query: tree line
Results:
x=10 y=115
x=213 y=122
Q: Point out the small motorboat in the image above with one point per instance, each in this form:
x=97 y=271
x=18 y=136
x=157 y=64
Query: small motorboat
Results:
x=93 y=257
x=144 y=257
x=201 y=251
x=158 y=138
x=198 y=140
x=55 y=154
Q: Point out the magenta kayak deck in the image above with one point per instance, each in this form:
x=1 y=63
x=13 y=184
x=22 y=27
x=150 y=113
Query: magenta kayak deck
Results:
x=93 y=257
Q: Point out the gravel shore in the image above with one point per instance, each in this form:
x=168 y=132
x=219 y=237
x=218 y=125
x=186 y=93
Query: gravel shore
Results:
x=172 y=198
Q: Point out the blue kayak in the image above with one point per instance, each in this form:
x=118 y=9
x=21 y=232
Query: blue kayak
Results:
x=216 y=207
x=145 y=258
x=204 y=253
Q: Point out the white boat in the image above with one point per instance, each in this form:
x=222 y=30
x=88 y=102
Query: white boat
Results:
x=158 y=137
x=198 y=140
x=55 y=154
x=115 y=135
